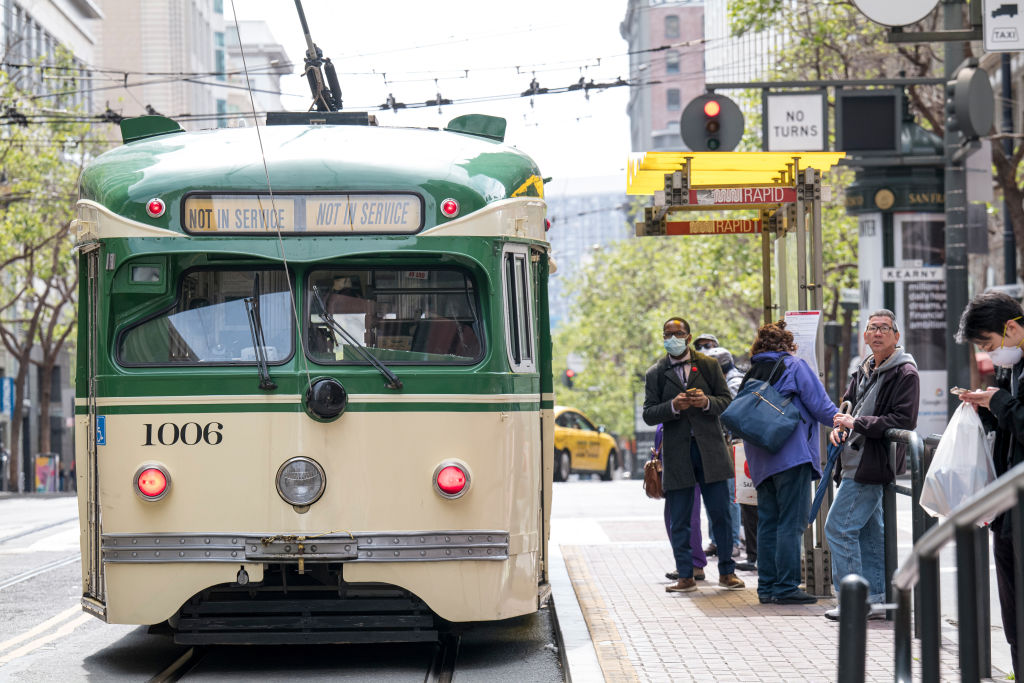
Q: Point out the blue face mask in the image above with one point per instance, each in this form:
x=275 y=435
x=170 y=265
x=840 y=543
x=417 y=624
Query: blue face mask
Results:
x=675 y=346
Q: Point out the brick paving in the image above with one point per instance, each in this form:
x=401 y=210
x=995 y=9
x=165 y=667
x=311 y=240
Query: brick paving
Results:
x=642 y=633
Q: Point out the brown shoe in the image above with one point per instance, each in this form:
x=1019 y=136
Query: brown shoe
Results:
x=682 y=586
x=731 y=582
x=698 y=574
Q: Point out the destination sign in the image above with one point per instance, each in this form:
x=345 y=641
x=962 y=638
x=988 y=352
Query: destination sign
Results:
x=723 y=227
x=312 y=213
x=742 y=226
x=742 y=196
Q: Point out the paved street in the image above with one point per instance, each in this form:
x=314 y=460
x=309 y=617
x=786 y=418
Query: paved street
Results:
x=613 y=541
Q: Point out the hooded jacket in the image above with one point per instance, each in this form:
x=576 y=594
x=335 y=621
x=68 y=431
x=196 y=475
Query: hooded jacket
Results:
x=896 y=407
x=794 y=378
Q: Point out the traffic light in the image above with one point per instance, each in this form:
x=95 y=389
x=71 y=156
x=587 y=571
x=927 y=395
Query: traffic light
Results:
x=970 y=102
x=567 y=378
x=711 y=123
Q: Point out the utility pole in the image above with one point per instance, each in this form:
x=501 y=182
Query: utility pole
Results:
x=1009 y=241
x=957 y=355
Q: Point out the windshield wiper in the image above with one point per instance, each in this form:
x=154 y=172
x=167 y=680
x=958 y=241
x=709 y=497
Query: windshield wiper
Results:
x=392 y=379
x=252 y=309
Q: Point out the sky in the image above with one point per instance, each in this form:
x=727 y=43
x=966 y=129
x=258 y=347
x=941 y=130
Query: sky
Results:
x=474 y=50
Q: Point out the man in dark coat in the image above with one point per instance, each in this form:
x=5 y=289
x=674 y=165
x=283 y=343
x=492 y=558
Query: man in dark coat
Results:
x=995 y=322
x=686 y=391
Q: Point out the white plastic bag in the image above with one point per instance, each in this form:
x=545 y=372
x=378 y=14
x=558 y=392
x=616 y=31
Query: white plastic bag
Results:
x=961 y=467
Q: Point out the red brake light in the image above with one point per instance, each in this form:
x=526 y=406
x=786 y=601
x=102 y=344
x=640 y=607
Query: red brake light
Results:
x=712 y=108
x=152 y=482
x=451 y=480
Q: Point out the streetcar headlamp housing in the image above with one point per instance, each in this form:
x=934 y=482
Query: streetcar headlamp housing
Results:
x=301 y=481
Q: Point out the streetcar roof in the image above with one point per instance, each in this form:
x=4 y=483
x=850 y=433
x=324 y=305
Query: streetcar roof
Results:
x=434 y=164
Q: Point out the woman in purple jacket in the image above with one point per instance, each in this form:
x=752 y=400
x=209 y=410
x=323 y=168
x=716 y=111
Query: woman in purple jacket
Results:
x=783 y=479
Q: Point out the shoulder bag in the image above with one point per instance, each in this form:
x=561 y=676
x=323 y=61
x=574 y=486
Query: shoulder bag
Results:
x=761 y=415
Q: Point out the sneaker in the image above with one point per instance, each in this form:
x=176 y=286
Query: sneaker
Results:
x=765 y=601
x=746 y=566
x=797 y=597
x=874 y=614
x=672 y=576
x=682 y=586
x=698 y=574
x=731 y=582
x=711 y=549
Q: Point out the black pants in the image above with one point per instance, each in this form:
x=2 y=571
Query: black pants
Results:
x=748 y=513
x=1002 y=550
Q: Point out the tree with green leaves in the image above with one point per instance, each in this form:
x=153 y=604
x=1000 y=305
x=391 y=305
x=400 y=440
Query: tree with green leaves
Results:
x=41 y=156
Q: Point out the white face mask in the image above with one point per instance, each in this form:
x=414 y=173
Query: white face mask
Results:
x=1006 y=357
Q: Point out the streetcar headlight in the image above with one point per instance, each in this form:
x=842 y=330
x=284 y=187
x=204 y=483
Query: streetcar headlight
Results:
x=451 y=479
x=152 y=482
x=301 y=481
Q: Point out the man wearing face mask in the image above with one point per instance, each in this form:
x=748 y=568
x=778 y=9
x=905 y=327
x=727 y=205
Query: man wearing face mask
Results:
x=686 y=392
x=885 y=393
x=995 y=322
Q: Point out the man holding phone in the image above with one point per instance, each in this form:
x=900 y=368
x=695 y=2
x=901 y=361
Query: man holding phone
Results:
x=686 y=391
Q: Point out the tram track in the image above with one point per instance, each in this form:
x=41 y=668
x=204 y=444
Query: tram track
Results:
x=42 y=569
x=37 y=529
x=442 y=666
x=181 y=666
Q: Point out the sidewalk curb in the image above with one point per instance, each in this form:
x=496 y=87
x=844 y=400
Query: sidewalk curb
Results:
x=576 y=649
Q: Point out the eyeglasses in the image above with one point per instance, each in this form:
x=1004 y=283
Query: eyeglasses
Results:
x=884 y=329
x=678 y=335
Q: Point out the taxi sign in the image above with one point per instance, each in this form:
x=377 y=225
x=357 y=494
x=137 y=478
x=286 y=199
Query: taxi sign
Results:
x=257 y=214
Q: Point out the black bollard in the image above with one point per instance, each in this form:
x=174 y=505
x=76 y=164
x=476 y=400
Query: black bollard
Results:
x=853 y=628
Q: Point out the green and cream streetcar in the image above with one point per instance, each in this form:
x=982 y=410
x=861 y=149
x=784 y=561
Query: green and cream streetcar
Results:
x=314 y=385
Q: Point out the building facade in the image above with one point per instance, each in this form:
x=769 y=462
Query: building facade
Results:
x=265 y=60
x=673 y=75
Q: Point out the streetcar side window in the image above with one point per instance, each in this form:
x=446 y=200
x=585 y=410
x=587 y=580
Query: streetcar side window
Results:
x=420 y=316
x=209 y=322
x=518 y=309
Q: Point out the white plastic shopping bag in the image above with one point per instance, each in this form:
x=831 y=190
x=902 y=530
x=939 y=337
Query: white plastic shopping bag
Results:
x=746 y=494
x=961 y=467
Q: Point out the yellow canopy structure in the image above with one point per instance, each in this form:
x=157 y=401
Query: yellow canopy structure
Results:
x=646 y=171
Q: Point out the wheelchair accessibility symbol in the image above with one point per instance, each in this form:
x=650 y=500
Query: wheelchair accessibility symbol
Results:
x=101 y=430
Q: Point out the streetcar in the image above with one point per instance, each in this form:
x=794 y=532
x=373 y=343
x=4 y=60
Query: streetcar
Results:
x=314 y=398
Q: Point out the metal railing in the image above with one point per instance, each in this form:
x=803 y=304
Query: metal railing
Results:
x=921 y=570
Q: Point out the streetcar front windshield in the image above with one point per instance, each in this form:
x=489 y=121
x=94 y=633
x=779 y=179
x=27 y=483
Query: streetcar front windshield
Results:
x=209 y=324
x=399 y=315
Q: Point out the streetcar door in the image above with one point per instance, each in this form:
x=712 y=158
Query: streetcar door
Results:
x=91 y=560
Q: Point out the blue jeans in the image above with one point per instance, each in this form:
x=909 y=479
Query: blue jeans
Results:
x=855 y=537
x=734 y=515
x=783 y=503
x=680 y=502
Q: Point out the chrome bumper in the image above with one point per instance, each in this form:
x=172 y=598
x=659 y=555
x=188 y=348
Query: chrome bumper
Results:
x=398 y=546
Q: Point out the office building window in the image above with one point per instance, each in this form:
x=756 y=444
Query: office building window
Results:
x=672 y=62
x=672 y=95
x=671 y=26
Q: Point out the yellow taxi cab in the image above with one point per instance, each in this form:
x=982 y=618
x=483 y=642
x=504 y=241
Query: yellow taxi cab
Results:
x=582 y=447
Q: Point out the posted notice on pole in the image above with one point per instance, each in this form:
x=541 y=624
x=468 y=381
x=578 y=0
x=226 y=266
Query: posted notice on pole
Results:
x=804 y=326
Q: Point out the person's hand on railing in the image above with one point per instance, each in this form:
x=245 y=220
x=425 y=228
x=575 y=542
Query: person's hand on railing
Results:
x=979 y=397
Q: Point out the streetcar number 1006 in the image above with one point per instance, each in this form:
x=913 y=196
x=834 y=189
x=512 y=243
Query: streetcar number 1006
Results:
x=190 y=434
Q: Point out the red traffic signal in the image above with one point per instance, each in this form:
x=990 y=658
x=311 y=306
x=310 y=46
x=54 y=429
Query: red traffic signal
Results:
x=711 y=123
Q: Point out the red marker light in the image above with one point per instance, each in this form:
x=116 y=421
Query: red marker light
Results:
x=152 y=482
x=155 y=208
x=712 y=108
x=450 y=208
x=570 y=373
x=451 y=480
